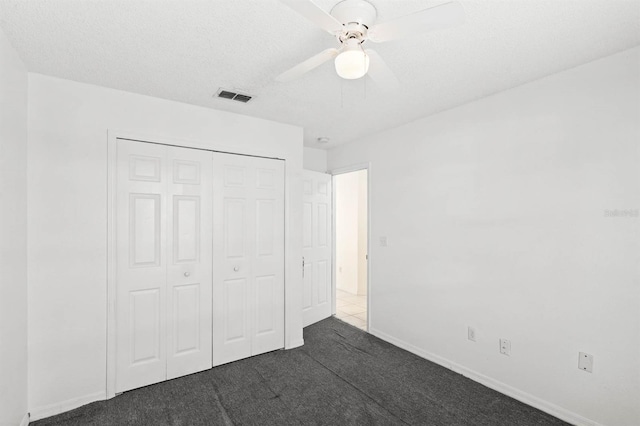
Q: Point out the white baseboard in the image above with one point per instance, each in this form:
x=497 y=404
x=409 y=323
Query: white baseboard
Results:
x=540 y=404
x=60 y=407
x=25 y=420
x=295 y=344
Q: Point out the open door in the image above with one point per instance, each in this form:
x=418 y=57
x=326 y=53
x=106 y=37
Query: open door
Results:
x=316 y=299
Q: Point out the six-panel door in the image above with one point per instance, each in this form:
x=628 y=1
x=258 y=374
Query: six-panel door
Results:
x=248 y=285
x=164 y=263
x=316 y=247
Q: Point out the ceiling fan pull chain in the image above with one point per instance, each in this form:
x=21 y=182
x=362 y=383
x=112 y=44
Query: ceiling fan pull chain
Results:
x=365 y=88
x=365 y=65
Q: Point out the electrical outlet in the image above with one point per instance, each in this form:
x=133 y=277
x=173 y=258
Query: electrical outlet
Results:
x=505 y=347
x=585 y=362
x=471 y=334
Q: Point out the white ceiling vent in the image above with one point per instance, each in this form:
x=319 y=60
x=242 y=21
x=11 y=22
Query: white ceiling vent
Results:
x=228 y=94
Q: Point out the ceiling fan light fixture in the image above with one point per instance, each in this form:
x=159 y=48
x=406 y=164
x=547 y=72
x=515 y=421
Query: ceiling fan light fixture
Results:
x=352 y=62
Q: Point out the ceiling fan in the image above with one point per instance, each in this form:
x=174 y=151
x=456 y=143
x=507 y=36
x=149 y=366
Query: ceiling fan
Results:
x=353 y=22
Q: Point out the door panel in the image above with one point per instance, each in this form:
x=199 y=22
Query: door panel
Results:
x=308 y=285
x=163 y=273
x=231 y=311
x=145 y=326
x=235 y=222
x=186 y=319
x=268 y=257
x=144 y=229
x=324 y=283
x=323 y=224
x=307 y=224
x=316 y=299
x=266 y=294
x=186 y=228
x=145 y=168
x=265 y=218
x=235 y=314
x=189 y=267
x=141 y=264
x=248 y=294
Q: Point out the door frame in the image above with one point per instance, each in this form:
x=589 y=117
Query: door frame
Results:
x=340 y=171
x=291 y=258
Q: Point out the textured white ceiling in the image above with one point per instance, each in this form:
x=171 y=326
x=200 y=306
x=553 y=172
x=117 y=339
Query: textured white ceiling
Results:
x=185 y=50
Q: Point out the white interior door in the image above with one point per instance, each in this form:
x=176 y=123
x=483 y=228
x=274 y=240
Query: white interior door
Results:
x=141 y=265
x=316 y=299
x=189 y=260
x=248 y=287
x=163 y=271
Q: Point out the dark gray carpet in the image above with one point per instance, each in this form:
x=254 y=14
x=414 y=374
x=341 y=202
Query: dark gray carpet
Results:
x=341 y=376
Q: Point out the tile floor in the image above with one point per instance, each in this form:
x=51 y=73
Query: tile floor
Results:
x=351 y=308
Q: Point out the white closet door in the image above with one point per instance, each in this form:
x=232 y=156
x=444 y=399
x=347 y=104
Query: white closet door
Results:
x=268 y=257
x=141 y=265
x=189 y=260
x=248 y=292
x=316 y=243
x=164 y=261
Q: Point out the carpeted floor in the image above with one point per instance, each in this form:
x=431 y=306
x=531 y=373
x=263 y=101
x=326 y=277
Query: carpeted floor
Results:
x=341 y=376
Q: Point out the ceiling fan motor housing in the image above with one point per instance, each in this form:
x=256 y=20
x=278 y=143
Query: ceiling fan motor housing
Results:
x=357 y=16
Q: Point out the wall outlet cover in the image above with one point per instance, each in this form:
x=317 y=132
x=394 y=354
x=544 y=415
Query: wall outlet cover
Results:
x=471 y=334
x=505 y=347
x=585 y=362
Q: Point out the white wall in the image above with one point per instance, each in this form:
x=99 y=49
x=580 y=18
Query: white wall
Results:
x=315 y=159
x=13 y=236
x=495 y=218
x=67 y=218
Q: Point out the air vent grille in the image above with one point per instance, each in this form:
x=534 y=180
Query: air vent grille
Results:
x=227 y=94
x=242 y=98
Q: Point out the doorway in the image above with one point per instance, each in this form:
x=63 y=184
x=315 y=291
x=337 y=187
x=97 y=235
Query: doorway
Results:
x=351 y=247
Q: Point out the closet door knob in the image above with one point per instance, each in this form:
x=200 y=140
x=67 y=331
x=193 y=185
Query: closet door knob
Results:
x=186 y=274
x=235 y=268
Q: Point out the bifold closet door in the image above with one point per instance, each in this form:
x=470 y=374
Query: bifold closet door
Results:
x=248 y=285
x=316 y=247
x=164 y=259
x=189 y=260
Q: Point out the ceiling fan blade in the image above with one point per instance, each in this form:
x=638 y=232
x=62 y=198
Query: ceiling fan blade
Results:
x=434 y=18
x=380 y=72
x=308 y=65
x=312 y=12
